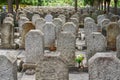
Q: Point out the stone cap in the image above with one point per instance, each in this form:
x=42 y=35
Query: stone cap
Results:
x=11 y=55
x=55 y=54
x=103 y=55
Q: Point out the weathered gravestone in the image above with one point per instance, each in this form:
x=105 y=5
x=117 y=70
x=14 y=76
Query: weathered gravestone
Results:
x=104 y=66
x=96 y=43
x=10 y=15
x=27 y=26
x=63 y=18
x=35 y=17
x=29 y=15
x=69 y=27
x=52 y=68
x=22 y=15
x=21 y=21
x=59 y=24
x=7 y=35
x=75 y=21
x=119 y=23
x=8 y=19
x=104 y=23
x=48 y=18
x=66 y=45
x=34 y=46
x=8 y=66
x=118 y=46
x=76 y=15
x=39 y=23
x=100 y=18
x=49 y=34
x=114 y=18
x=113 y=31
x=88 y=19
x=89 y=27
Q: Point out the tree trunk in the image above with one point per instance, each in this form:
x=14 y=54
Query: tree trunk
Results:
x=10 y=6
x=104 y=5
x=108 y=7
x=115 y=7
x=75 y=5
x=17 y=5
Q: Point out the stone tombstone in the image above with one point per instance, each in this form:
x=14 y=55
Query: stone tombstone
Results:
x=21 y=21
x=58 y=22
x=96 y=43
x=88 y=19
x=69 y=27
x=52 y=68
x=104 y=66
x=66 y=45
x=75 y=21
x=10 y=15
x=39 y=23
x=100 y=18
x=27 y=26
x=114 y=18
x=8 y=66
x=49 y=34
x=29 y=15
x=113 y=30
x=63 y=18
x=104 y=24
x=48 y=18
x=8 y=19
x=118 y=46
x=76 y=15
x=119 y=23
x=22 y=15
x=34 y=46
x=7 y=35
x=89 y=28
x=35 y=17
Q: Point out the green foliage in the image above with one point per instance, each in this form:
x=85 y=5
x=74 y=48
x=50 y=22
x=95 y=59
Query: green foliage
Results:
x=79 y=58
x=81 y=3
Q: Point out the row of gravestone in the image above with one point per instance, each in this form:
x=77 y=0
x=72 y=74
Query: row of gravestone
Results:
x=54 y=66
x=37 y=23
x=110 y=29
x=95 y=40
x=53 y=32
x=102 y=64
x=49 y=66
x=42 y=24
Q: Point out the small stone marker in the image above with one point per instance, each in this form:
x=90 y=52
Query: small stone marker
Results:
x=52 y=68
